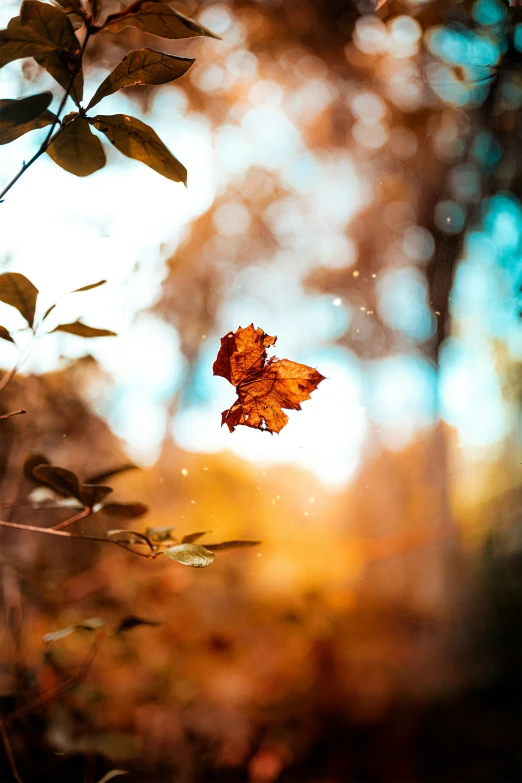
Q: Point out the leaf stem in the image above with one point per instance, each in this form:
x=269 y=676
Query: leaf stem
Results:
x=50 y=138
x=81 y=515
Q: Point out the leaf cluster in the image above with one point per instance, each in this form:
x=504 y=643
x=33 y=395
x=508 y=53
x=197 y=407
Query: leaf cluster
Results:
x=50 y=34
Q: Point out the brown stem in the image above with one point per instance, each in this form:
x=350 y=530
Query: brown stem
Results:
x=50 y=138
x=83 y=513
x=13 y=413
x=100 y=539
x=9 y=751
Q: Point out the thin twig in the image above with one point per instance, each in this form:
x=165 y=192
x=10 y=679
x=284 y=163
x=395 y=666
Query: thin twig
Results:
x=9 y=751
x=12 y=413
x=81 y=515
x=49 y=139
x=100 y=539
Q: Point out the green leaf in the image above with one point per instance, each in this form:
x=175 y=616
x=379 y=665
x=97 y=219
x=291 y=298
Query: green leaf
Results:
x=63 y=481
x=9 y=133
x=92 y=494
x=32 y=462
x=133 y=621
x=19 y=41
x=53 y=25
x=105 y=474
x=137 y=140
x=77 y=150
x=82 y=330
x=125 y=510
x=141 y=67
x=4 y=335
x=24 y=110
x=191 y=555
x=157 y=19
x=16 y=290
x=231 y=545
x=191 y=537
x=88 y=287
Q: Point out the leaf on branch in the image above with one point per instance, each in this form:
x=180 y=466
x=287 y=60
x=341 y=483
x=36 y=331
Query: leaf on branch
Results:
x=157 y=19
x=125 y=510
x=190 y=555
x=9 y=133
x=160 y=534
x=82 y=330
x=142 y=67
x=24 y=110
x=88 y=287
x=4 y=334
x=53 y=25
x=77 y=150
x=191 y=537
x=19 y=41
x=63 y=481
x=264 y=387
x=16 y=290
x=137 y=140
x=133 y=621
x=31 y=463
x=98 y=478
x=92 y=494
x=225 y=545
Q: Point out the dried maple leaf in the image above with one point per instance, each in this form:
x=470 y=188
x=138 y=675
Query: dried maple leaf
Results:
x=264 y=387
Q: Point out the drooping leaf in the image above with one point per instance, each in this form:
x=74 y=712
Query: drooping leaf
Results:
x=191 y=537
x=16 y=290
x=4 y=334
x=133 y=621
x=24 y=110
x=159 y=534
x=92 y=494
x=100 y=477
x=263 y=387
x=114 y=773
x=125 y=510
x=141 y=67
x=88 y=287
x=52 y=24
x=63 y=481
x=137 y=140
x=191 y=555
x=19 y=41
x=9 y=133
x=224 y=545
x=77 y=149
x=32 y=461
x=155 y=18
x=82 y=330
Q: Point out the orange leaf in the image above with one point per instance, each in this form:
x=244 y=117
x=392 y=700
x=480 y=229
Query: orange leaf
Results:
x=264 y=387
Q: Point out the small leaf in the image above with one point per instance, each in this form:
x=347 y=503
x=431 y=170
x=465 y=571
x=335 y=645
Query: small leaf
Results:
x=70 y=6
x=137 y=140
x=155 y=18
x=95 y=6
x=88 y=287
x=48 y=312
x=99 y=478
x=141 y=67
x=82 y=330
x=77 y=149
x=190 y=555
x=16 y=290
x=31 y=463
x=132 y=536
x=60 y=65
x=24 y=110
x=63 y=481
x=114 y=773
x=4 y=334
x=132 y=621
x=159 y=534
x=92 y=494
x=125 y=510
x=10 y=133
x=231 y=545
x=191 y=537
